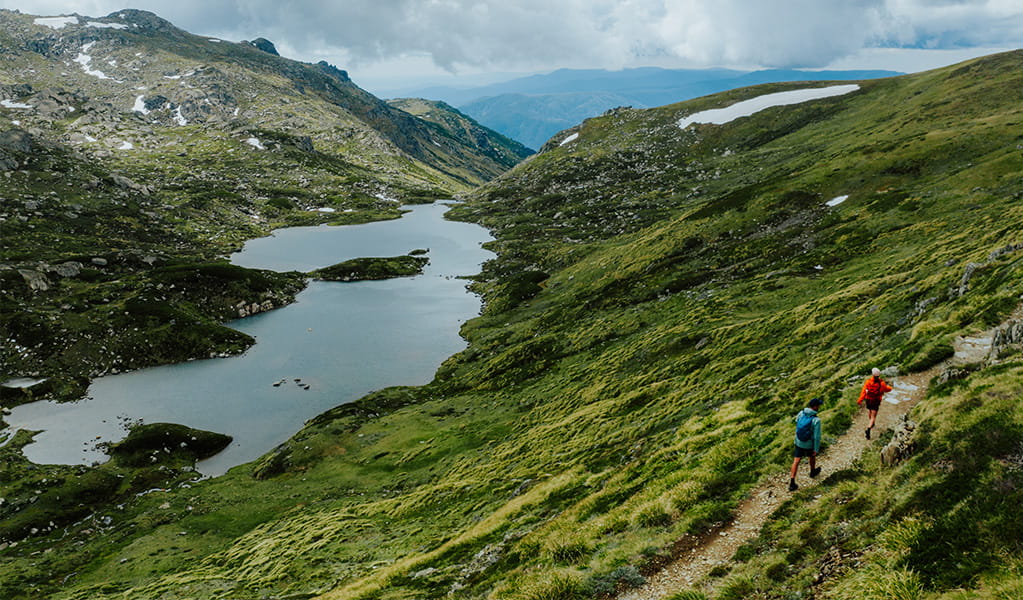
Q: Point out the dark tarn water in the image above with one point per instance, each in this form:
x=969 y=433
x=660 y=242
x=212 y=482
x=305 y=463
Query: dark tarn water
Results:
x=342 y=340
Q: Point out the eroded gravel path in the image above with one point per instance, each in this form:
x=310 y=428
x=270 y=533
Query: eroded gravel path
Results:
x=695 y=557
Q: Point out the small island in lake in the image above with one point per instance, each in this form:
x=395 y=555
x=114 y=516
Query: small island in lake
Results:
x=167 y=442
x=362 y=269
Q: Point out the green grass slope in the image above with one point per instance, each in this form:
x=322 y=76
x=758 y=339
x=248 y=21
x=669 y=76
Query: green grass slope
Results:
x=663 y=301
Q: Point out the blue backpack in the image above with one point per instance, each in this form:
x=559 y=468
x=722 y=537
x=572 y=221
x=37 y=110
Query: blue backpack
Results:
x=804 y=427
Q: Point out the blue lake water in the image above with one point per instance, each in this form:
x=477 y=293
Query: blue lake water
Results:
x=343 y=340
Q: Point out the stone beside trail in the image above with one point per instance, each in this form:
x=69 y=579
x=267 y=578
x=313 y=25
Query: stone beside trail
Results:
x=695 y=556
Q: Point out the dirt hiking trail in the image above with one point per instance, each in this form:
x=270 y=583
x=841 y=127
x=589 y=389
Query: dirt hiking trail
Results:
x=695 y=556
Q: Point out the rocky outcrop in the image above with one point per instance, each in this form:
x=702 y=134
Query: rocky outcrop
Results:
x=246 y=309
x=902 y=444
x=37 y=282
x=1009 y=334
x=971 y=268
x=265 y=45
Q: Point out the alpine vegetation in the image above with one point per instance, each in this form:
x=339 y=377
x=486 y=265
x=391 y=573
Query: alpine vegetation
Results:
x=662 y=302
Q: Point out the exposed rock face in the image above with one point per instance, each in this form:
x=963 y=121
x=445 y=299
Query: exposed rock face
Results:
x=37 y=282
x=16 y=140
x=142 y=19
x=964 y=282
x=265 y=45
x=246 y=309
x=1007 y=335
x=902 y=443
x=333 y=71
x=971 y=268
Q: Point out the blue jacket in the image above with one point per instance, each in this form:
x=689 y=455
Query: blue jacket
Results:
x=815 y=442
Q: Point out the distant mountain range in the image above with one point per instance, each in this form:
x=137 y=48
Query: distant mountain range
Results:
x=534 y=108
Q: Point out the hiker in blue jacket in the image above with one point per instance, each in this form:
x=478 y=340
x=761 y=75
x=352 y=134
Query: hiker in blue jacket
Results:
x=808 y=440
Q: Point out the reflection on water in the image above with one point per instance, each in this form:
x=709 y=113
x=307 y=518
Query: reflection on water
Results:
x=338 y=340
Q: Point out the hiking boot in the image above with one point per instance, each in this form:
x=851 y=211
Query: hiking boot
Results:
x=815 y=472
x=792 y=485
x=867 y=432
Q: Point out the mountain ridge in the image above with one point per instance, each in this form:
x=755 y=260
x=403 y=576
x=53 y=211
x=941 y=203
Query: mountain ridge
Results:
x=534 y=108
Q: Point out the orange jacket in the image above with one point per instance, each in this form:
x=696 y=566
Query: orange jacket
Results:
x=885 y=388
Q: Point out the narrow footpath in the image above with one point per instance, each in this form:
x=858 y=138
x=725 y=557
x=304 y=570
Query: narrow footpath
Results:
x=696 y=556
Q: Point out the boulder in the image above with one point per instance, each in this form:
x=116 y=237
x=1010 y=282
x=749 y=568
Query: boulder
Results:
x=16 y=140
x=265 y=45
x=902 y=444
x=68 y=269
x=154 y=102
x=37 y=282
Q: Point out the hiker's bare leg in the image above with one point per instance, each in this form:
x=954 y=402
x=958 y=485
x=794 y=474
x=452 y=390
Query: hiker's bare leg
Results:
x=795 y=467
x=873 y=417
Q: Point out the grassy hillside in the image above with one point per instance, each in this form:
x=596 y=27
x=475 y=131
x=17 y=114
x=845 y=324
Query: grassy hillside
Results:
x=450 y=123
x=663 y=301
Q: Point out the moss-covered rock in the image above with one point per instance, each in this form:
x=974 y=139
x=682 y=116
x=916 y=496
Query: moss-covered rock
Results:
x=360 y=269
x=163 y=443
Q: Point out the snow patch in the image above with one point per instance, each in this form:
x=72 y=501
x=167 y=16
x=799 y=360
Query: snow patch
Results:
x=837 y=200
x=179 y=118
x=89 y=138
x=56 y=22
x=13 y=104
x=140 y=105
x=126 y=146
x=570 y=138
x=323 y=209
x=101 y=25
x=255 y=143
x=16 y=123
x=212 y=40
x=84 y=60
x=720 y=116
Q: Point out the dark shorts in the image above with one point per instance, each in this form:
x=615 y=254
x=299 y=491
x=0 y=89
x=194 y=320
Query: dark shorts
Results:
x=873 y=405
x=801 y=452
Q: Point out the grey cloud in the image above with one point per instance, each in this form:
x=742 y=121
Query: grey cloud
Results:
x=538 y=34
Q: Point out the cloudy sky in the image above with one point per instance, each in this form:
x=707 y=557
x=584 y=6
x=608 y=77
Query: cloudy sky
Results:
x=383 y=41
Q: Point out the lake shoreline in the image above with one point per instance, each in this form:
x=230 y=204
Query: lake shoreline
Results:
x=426 y=373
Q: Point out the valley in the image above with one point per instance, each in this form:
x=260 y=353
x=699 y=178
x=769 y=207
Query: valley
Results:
x=662 y=300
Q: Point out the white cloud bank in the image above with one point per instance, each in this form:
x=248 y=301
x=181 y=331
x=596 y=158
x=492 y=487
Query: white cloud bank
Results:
x=540 y=34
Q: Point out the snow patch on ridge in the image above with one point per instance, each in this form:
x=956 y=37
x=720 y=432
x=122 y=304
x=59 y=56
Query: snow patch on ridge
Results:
x=255 y=143
x=101 y=25
x=140 y=105
x=56 y=22
x=178 y=117
x=570 y=138
x=837 y=200
x=720 y=116
x=84 y=60
x=13 y=104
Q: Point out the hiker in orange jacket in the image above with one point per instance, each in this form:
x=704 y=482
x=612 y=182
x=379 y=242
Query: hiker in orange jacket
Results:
x=874 y=389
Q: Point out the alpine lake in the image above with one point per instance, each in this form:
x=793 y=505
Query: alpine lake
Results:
x=337 y=342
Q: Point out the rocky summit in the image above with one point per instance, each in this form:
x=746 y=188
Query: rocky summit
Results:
x=670 y=288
